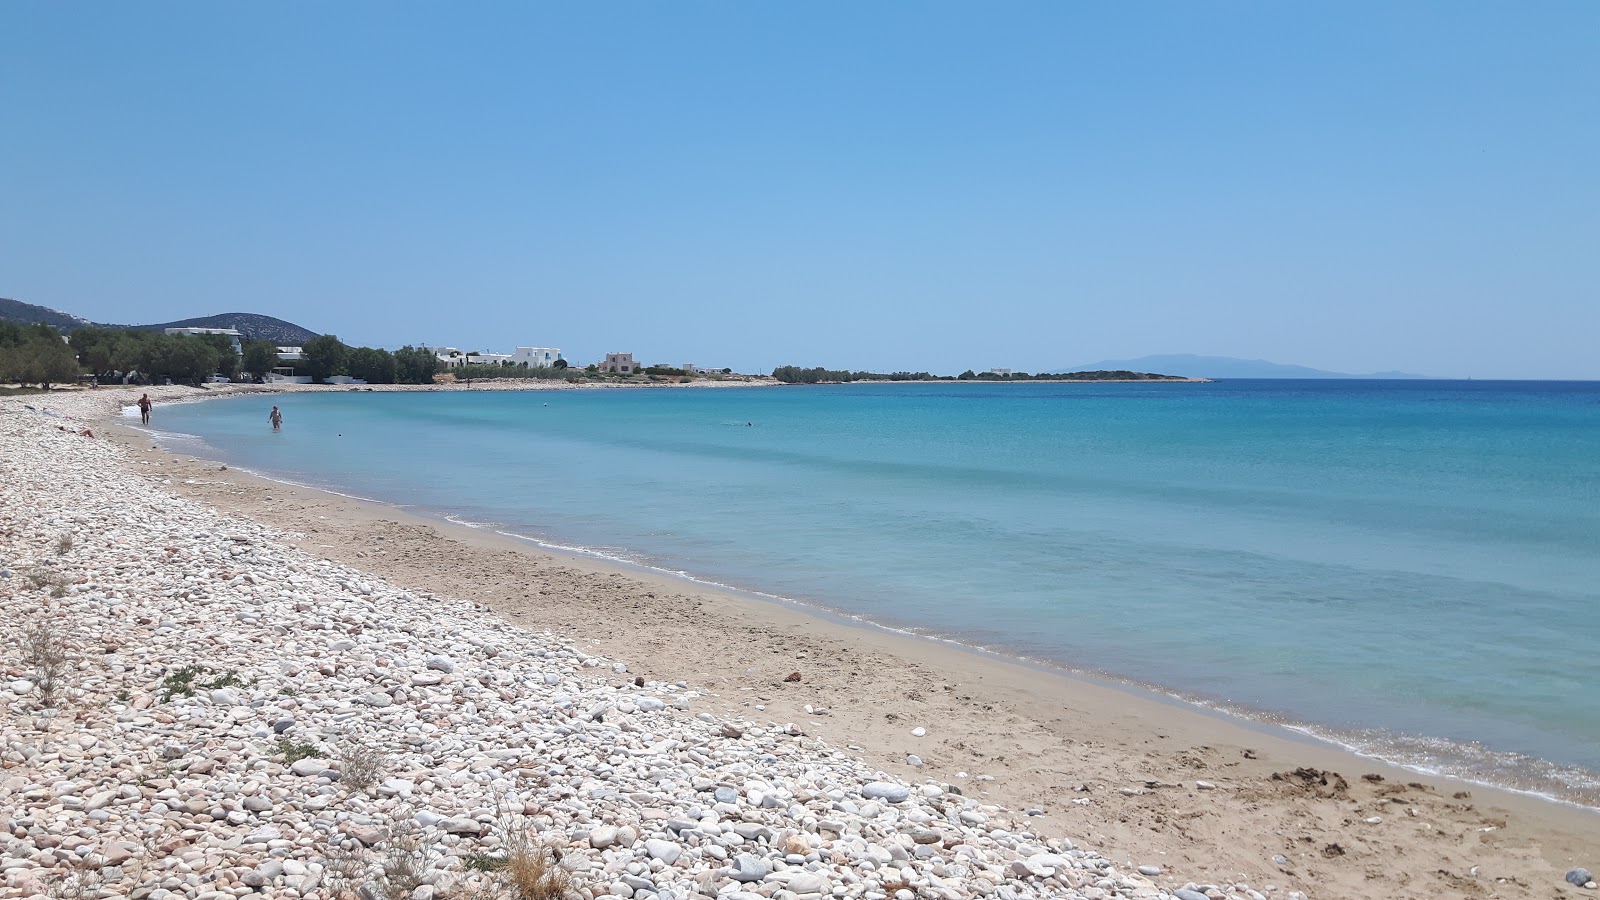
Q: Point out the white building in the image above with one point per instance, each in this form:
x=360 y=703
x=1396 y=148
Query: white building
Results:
x=620 y=363
x=289 y=353
x=536 y=357
x=232 y=335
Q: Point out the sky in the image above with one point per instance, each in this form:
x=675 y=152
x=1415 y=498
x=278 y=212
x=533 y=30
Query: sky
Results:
x=889 y=185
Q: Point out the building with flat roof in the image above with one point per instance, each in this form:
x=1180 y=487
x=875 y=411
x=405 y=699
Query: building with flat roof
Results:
x=619 y=363
x=232 y=334
x=536 y=357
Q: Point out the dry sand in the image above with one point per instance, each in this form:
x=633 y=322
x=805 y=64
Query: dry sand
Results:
x=1112 y=767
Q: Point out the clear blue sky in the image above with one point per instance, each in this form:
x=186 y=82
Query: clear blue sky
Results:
x=1351 y=186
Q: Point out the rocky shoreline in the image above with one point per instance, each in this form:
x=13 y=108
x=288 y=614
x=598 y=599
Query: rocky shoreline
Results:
x=199 y=710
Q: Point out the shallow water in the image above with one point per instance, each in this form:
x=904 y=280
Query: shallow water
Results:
x=1409 y=568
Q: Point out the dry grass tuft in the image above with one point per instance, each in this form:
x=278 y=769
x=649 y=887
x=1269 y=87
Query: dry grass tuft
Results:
x=64 y=545
x=44 y=650
x=532 y=870
x=360 y=766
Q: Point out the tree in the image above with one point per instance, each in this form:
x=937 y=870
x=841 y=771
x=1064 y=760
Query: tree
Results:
x=324 y=356
x=36 y=354
x=968 y=375
x=559 y=364
x=373 y=365
x=415 y=365
x=94 y=347
x=260 y=358
x=183 y=358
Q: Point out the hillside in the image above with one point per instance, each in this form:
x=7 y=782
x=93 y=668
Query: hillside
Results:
x=1192 y=366
x=28 y=313
x=254 y=326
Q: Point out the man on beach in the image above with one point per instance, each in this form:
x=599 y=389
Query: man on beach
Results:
x=276 y=418
x=144 y=409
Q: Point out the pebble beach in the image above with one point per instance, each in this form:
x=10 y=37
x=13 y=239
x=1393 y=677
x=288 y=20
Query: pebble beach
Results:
x=197 y=706
x=216 y=687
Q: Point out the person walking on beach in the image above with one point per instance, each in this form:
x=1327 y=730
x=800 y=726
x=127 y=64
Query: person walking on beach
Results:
x=276 y=418
x=144 y=409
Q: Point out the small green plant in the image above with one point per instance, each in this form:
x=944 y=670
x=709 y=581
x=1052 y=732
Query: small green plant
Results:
x=287 y=692
x=180 y=683
x=486 y=862
x=293 y=753
x=185 y=681
x=123 y=696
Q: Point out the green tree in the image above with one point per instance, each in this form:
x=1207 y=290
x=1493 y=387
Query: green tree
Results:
x=37 y=354
x=94 y=347
x=324 y=356
x=373 y=365
x=415 y=365
x=260 y=358
x=183 y=357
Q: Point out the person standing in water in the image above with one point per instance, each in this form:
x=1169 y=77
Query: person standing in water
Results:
x=276 y=418
x=144 y=409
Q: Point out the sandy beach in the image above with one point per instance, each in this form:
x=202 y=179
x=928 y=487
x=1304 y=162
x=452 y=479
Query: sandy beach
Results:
x=1199 y=798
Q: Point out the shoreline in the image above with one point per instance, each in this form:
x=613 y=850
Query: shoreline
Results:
x=1462 y=762
x=1047 y=738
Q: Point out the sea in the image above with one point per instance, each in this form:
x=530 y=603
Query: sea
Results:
x=1409 y=569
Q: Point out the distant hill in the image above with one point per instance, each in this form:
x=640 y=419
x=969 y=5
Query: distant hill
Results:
x=253 y=326
x=27 y=313
x=1191 y=366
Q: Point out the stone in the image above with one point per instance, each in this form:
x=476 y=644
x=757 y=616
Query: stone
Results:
x=602 y=837
x=1186 y=894
x=309 y=766
x=460 y=825
x=885 y=790
x=99 y=801
x=809 y=883
x=747 y=868
x=666 y=851
x=1150 y=871
x=441 y=664
x=1579 y=877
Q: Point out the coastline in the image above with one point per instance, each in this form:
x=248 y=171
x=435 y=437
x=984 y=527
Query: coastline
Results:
x=1047 y=739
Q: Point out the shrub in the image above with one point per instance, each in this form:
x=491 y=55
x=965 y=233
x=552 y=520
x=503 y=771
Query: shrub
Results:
x=360 y=767
x=44 y=650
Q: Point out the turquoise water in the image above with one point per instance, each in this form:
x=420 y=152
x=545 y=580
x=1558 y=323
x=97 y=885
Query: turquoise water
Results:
x=1408 y=568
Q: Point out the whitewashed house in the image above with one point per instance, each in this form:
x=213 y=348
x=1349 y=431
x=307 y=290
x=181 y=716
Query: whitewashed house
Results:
x=231 y=334
x=536 y=357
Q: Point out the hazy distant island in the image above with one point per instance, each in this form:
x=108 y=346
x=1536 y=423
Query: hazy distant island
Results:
x=1212 y=367
x=819 y=375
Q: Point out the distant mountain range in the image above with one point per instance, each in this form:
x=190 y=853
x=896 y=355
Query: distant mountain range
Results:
x=253 y=326
x=1191 y=366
